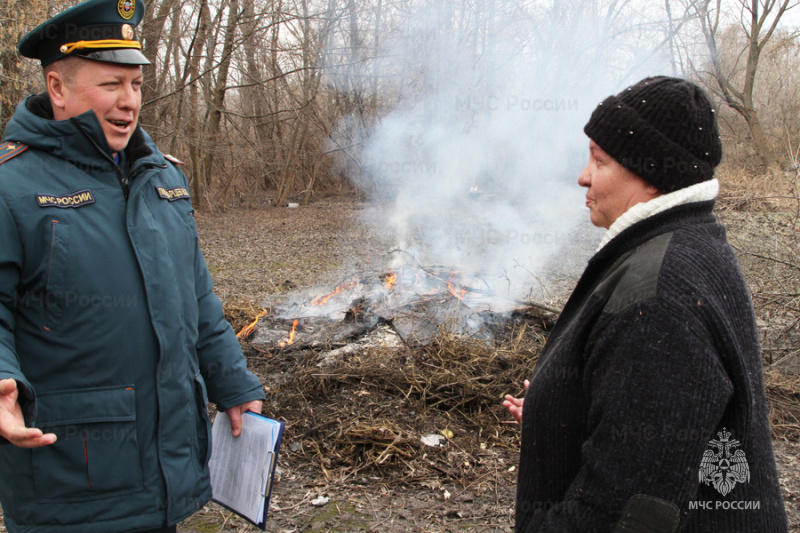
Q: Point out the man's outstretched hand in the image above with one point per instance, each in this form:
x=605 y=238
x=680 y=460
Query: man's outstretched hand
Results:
x=12 y=423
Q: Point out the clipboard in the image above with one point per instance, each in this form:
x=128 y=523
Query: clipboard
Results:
x=243 y=468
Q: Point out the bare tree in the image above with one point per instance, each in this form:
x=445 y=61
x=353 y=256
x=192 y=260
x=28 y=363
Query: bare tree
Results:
x=193 y=130
x=152 y=29
x=217 y=94
x=17 y=76
x=735 y=84
x=257 y=96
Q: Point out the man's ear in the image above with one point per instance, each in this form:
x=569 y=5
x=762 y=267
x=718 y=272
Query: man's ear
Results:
x=56 y=90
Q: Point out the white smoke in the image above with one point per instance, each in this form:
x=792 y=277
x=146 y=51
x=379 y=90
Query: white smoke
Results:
x=477 y=162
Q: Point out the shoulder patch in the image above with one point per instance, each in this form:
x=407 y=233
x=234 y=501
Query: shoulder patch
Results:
x=10 y=150
x=635 y=277
x=172 y=159
x=172 y=194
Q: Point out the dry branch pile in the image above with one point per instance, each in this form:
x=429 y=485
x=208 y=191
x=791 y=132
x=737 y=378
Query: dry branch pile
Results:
x=367 y=412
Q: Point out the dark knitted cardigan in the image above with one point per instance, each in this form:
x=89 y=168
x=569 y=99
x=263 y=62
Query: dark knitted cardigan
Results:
x=656 y=352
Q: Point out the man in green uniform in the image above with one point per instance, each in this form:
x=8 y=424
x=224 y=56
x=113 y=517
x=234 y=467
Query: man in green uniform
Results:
x=111 y=339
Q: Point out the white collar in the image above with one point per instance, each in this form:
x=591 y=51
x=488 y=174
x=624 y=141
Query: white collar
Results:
x=700 y=192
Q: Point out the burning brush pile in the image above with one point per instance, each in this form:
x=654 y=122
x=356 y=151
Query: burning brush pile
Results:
x=398 y=373
x=413 y=304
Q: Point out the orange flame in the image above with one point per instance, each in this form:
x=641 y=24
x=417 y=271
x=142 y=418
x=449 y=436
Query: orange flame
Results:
x=324 y=299
x=390 y=281
x=454 y=288
x=456 y=291
x=291 y=335
x=248 y=329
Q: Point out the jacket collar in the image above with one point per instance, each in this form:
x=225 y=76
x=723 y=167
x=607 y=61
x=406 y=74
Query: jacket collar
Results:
x=80 y=140
x=664 y=222
x=699 y=192
x=631 y=238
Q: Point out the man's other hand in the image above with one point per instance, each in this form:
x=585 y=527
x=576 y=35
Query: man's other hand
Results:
x=12 y=423
x=235 y=414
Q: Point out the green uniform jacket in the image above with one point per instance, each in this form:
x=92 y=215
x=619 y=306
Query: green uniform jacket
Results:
x=109 y=324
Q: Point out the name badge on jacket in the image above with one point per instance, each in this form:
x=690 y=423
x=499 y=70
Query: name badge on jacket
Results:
x=75 y=199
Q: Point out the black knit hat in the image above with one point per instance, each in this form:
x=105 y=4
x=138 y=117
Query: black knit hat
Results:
x=662 y=129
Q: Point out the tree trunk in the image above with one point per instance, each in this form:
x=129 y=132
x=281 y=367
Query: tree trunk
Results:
x=274 y=102
x=152 y=30
x=194 y=132
x=256 y=101
x=218 y=94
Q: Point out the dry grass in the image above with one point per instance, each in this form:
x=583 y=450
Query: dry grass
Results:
x=783 y=391
x=762 y=214
x=764 y=229
x=365 y=412
x=749 y=188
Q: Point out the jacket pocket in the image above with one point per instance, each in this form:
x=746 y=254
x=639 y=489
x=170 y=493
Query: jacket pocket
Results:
x=96 y=452
x=203 y=422
x=55 y=283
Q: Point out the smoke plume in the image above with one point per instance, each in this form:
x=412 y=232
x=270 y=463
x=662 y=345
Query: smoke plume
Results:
x=476 y=158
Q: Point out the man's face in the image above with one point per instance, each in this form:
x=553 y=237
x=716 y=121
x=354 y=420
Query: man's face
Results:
x=611 y=188
x=112 y=91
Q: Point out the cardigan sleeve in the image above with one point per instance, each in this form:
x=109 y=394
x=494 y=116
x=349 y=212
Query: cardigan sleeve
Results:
x=656 y=391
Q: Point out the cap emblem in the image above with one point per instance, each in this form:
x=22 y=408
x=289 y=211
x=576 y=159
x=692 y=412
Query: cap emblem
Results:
x=126 y=8
x=127 y=32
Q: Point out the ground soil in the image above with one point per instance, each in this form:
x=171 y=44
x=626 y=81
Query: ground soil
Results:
x=352 y=459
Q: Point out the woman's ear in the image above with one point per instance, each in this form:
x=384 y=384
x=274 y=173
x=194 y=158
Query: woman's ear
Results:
x=653 y=191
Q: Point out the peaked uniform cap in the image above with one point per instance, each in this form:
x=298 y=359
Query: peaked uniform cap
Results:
x=100 y=30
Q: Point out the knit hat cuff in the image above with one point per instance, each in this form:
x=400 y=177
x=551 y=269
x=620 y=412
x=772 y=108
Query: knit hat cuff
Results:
x=623 y=134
